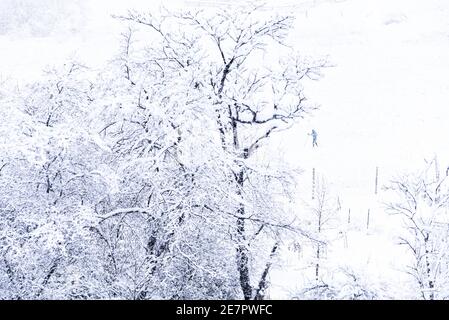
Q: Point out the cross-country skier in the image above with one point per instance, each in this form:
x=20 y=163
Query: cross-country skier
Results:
x=314 y=137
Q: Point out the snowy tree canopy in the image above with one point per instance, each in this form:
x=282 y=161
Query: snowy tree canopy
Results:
x=149 y=179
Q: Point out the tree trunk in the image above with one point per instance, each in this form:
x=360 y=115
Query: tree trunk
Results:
x=242 y=248
x=428 y=271
x=242 y=260
x=263 y=283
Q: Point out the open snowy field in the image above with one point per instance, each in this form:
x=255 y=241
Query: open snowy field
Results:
x=383 y=103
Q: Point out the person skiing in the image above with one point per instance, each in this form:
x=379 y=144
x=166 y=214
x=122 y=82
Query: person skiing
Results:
x=314 y=138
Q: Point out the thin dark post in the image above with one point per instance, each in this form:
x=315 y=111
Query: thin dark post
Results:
x=313 y=183
x=367 y=221
x=437 y=169
x=345 y=239
x=376 y=180
x=349 y=216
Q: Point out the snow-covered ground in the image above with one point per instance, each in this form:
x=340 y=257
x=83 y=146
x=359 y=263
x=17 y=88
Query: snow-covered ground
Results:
x=383 y=102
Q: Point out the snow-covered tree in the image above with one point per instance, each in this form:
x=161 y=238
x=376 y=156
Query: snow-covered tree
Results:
x=49 y=186
x=221 y=106
x=154 y=178
x=324 y=223
x=421 y=201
